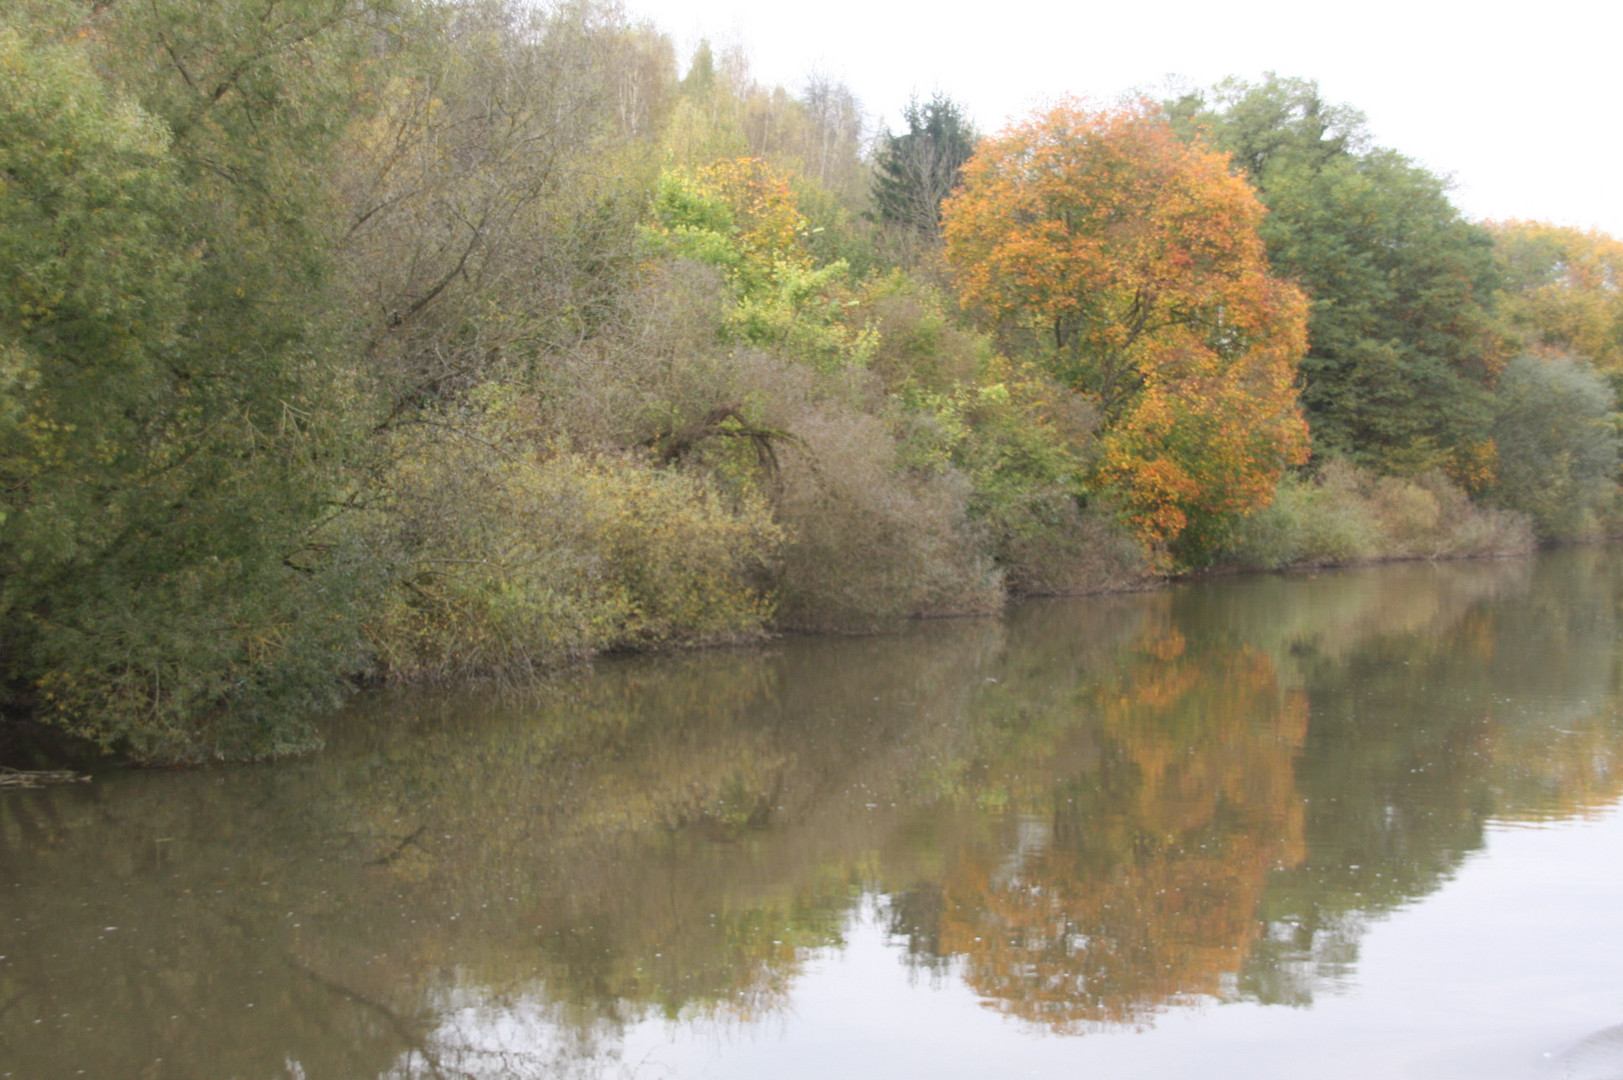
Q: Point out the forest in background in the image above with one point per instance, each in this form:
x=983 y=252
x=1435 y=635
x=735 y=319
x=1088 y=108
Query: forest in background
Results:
x=348 y=340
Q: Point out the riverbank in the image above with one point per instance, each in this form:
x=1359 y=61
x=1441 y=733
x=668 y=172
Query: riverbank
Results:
x=444 y=343
x=1342 y=518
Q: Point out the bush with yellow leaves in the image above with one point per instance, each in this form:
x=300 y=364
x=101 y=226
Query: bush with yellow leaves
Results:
x=519 y=555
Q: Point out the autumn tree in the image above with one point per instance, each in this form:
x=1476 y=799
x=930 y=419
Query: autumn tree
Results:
x=741 y=216
x=1403 y=346
x=1131 y=263
x=1564 y=290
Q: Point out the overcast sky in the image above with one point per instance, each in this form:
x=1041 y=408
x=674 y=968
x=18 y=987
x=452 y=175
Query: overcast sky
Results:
x=1522 y=105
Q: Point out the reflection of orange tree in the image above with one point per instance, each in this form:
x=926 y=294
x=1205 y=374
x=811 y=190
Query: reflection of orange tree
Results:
x=1138 y=882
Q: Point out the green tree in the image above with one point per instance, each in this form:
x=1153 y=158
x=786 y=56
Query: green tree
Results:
x=1402 y=344
x=1557 y=446
x=169 y=577
x=916 y=170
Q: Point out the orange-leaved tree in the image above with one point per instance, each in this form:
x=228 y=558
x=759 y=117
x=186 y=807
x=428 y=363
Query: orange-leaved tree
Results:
x=1130 y=262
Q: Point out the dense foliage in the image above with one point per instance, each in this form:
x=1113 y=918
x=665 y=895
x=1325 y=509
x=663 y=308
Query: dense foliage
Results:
x=401 y=340
x=1564 y=291
x=916 y=170
x=1403 y=346
x=174 y=423
x=1131 y=263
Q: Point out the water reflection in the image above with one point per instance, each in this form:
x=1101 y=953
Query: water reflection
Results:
x=1086 y=813
x=1137 y=828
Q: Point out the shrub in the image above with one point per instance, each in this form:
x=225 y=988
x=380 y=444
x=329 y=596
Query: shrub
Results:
x=1429 y=516
x=224 y=659
x=520 y=556
x=1311 y=520
x=915 y=341
x=871 y=534
x=1056 y=547
x=869 y=541
x=1346 y=514
x=1026 y=443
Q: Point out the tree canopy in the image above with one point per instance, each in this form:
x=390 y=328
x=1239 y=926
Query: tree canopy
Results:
x=1403 y=347
x=916 y=170
x=169 y=424
x=1564 y=290
x=1131 y=262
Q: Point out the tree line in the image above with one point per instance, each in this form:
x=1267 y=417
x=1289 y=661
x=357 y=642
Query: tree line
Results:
x=349 y=340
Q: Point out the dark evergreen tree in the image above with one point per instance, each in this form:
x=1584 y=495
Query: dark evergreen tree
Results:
x=918 y=168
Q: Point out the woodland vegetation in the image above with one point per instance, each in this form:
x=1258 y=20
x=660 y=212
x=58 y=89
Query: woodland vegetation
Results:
x=410 y=340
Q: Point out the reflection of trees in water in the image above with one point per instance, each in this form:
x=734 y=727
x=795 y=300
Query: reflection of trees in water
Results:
x=480 y=1034
x=127 y=940
x=1125 y=874
x=1087 y=811
x=666 y=837
x=1438 y=695
x=1423 y=733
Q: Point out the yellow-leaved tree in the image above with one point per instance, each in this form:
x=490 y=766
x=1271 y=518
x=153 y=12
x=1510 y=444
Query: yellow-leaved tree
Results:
x=1564 y=290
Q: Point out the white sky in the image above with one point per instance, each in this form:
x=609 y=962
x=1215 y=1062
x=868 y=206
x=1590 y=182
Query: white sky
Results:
x=1519 y=103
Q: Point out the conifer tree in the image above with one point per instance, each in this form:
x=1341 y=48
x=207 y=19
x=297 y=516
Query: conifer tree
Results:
x=919 y=168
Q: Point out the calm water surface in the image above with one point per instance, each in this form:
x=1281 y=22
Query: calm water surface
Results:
x=1353 y=825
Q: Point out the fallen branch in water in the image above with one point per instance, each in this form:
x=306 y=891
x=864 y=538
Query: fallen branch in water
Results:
x=34 y=778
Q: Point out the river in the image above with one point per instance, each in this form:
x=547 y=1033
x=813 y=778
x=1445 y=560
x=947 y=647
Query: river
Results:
x=1353 y=824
